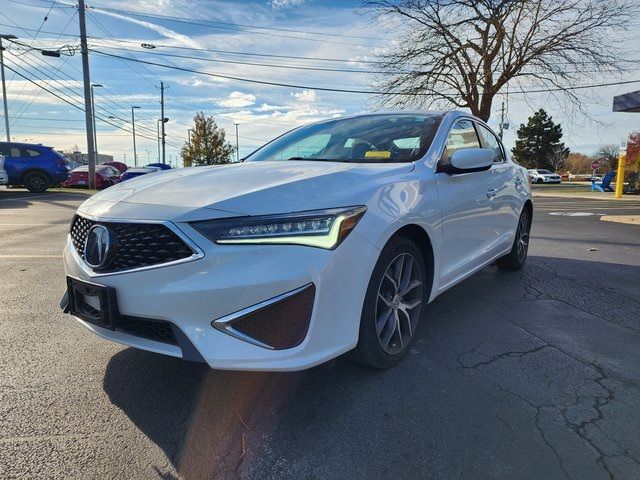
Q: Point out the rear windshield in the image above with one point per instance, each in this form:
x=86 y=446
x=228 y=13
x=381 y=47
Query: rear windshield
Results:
x=364 y=139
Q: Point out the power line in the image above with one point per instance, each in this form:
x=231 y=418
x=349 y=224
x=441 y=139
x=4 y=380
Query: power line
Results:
x=75 y=105
x=104 y=29
x=26 y=105
x=236 y=62
x=153 y=45
x=248 y=80
x=341 y=90
x=46 y=17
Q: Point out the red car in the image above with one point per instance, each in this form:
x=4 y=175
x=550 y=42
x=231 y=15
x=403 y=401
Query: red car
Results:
x=105 y=177
x=121 y=167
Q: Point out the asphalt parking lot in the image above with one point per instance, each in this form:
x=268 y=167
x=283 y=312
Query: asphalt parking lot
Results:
x=526 y=375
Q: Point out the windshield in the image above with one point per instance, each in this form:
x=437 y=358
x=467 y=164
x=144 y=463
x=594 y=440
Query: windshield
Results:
x=364 y=139
x=544 y=172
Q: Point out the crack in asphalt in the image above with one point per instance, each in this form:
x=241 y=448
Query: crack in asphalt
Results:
x=540 y=287
x=580 y=429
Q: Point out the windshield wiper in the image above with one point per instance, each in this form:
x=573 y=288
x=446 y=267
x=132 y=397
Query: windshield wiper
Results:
x=313 y=159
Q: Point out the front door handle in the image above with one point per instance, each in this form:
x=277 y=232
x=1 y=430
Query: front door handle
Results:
x=492 y=192
x=518 y=181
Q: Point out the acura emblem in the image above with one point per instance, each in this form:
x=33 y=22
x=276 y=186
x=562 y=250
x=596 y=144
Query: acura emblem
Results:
x=96 y=246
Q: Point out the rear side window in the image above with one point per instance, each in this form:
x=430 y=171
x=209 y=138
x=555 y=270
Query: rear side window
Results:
x=9 y=151
x=462 y=135
x=28 y=152
x=491 y=142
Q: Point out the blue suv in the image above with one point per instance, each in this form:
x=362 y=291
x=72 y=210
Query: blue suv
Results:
x=34 y=166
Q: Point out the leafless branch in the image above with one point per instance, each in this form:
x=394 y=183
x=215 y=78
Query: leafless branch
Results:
x=464 y=52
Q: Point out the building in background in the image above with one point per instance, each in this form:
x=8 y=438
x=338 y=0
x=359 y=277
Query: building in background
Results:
x=83 y=158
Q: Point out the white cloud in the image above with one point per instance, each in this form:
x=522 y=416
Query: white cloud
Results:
x=265 y=107
x=306 y=96
x=166 y=32
x=278 y=4
x=237 y=99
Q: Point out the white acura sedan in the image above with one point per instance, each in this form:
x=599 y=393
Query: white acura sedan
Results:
x=331 y=238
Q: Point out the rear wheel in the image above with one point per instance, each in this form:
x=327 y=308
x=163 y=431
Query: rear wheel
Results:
x=515 y=259
x=36 y=182
x=539 y=180
x=393 y=305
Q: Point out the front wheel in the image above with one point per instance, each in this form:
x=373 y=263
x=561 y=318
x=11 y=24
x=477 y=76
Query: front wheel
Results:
x=393 y=305
x=539 y=180
x=36 y=182
x=515 y=259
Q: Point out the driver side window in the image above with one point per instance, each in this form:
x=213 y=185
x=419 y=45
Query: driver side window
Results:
x=462 y=135
x=307 y=147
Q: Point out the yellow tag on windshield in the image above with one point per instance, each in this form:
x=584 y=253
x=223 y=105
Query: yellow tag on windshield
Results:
x=377 y=154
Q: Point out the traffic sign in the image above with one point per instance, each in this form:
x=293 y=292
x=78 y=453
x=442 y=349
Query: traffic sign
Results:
x=595 y=165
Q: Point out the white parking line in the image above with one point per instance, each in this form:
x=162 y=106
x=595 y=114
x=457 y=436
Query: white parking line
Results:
x=31 y=256
x=28 y=224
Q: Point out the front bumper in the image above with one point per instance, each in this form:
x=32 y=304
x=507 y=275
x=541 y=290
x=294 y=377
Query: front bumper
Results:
x=230 y=278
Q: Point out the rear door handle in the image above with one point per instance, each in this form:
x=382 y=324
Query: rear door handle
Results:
x=492 y=192
x=518 y=181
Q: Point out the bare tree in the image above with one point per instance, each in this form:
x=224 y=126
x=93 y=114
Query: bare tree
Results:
x=558 y=157
x=607 y=155
x=464 y=52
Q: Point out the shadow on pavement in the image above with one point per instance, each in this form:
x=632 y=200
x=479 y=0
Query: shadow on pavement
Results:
x=23 y=199
x=487 y=391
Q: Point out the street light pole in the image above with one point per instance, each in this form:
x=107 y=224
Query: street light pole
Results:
x=4 y=87
x=133 y=125
x=237 y=144
x=93 y=111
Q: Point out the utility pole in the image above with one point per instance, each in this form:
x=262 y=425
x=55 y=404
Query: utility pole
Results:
x=4 y=87
x=88 y=110
x=237 y=144
x=162 y=121
x=133 y=125
x=501 y=132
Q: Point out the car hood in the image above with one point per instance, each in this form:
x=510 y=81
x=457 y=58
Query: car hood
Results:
x=252 y=188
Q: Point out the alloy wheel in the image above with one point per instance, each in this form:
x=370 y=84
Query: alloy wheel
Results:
x=399 y=303
x=522 y=238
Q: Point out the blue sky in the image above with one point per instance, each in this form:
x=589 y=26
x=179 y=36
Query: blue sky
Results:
x=350 y=34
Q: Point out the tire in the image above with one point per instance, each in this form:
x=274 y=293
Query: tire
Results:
x=386 y=307
x=36 y=182
x=539 y=180
x=515 y=259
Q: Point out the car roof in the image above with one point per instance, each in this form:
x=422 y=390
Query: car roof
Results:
x=85 y=168
x=21 y=144
x=143 y=169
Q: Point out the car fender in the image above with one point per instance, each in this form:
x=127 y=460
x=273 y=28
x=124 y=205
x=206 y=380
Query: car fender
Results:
x=392 y=204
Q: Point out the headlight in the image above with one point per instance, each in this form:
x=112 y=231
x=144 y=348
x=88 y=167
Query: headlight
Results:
x=317 y=228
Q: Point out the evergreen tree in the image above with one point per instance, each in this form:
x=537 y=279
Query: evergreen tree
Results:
x=539 y=142
x=208 y=145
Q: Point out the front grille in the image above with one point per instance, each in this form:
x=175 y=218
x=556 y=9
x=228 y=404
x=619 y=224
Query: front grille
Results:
x=137 y=244
x=156 y=330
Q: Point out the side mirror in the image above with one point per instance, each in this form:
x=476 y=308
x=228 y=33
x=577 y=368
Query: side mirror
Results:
x=468 y=160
